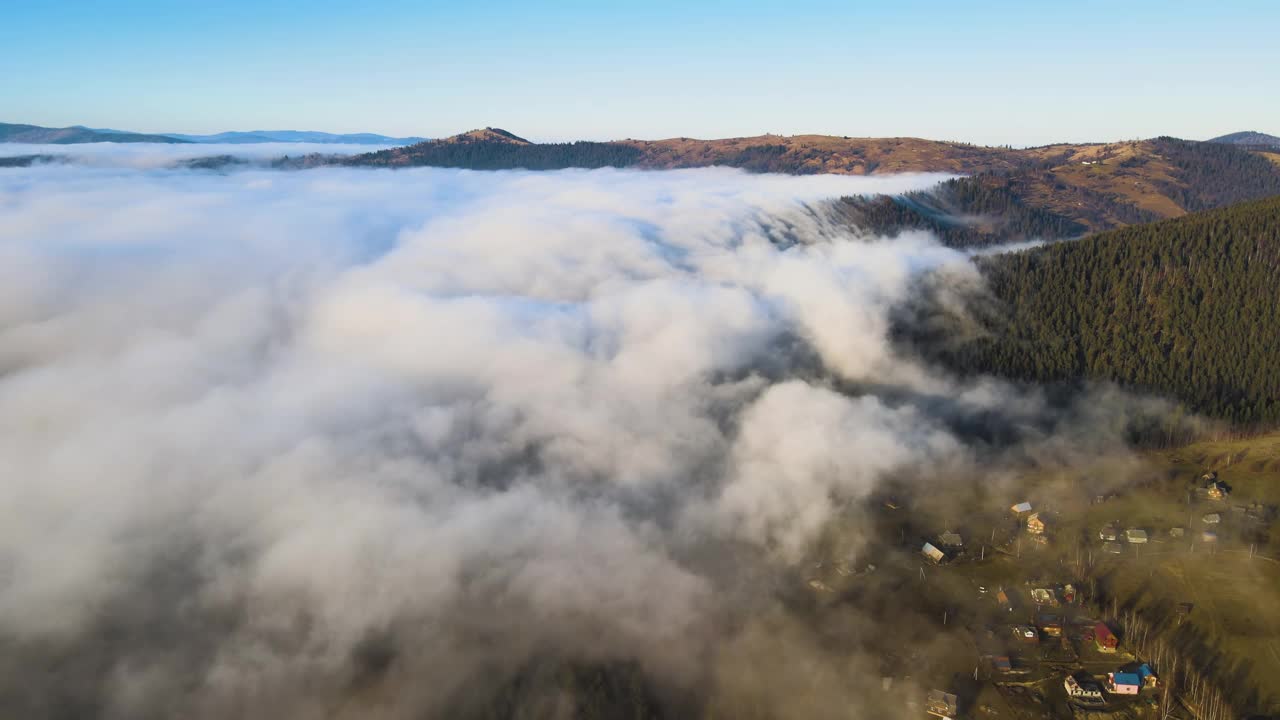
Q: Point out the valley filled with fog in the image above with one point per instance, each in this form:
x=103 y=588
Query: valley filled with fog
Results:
x=374 y=443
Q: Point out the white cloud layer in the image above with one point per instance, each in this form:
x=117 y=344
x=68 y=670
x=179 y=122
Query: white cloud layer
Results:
x=252 y=422
x=149 y=155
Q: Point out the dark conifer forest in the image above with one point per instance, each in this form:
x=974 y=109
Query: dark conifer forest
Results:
x=1186 y=308
x=506 y=156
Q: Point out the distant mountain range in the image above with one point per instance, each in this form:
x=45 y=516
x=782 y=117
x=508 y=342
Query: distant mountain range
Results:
x=298 y=136
x=1249 y=137
x=11 y=133
x=16 y=133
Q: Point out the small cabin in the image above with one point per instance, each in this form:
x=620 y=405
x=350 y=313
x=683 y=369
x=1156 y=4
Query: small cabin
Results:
x=1136 y=536
x=1083 y=687
x=1050 y=625
x=1026 y=634
x=1105 y=640
x=942 y=704
x=933 y=553
x=1035 y=524
x=1044 y=596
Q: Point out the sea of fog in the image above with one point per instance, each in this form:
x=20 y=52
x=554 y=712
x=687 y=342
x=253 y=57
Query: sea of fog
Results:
x=373 y=443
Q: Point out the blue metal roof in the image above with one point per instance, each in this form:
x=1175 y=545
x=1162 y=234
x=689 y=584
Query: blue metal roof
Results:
x=1127 y=679
x=1145 y=671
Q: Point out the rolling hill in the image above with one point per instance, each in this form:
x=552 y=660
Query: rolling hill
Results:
x=1249 y=138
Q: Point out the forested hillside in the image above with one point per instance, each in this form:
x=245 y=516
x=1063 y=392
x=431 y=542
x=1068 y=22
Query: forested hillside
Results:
x=1188 y=308
x=495 y=149
x=1212 y=175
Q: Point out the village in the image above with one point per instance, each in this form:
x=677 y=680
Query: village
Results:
x=1029 y=602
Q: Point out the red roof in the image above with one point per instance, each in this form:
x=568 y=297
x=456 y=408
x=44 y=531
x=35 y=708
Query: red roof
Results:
x=1103 y=634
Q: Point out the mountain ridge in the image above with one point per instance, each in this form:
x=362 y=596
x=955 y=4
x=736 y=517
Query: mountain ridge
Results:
x=80 y=134
x=74 y=135
x=1088 y=187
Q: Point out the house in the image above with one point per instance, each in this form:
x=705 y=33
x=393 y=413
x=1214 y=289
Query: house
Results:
x=1069 y=594
x=1081 y=687
x=1216 y=490
x=951 y=540
x=942 y=704
x=1035 y=524
x=1004 y=600
x=1113 y=548
x=1149 y=679
x=1108 y=533
x=1123 y=683
x=1026 y=634
x=1044 y=596
x=1176 y=532
x=1136 y=536
x=1103 y=638
x=1212 y=519
x=1001 y=664
x=1022 y=507
x=1050 y=625
x=933 y=553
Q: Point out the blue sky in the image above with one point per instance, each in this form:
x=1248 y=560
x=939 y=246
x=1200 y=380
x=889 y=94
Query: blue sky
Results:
x=992 y=72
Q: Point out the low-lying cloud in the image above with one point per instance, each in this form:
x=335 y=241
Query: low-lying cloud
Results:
x=364 y=443
x=148 y=155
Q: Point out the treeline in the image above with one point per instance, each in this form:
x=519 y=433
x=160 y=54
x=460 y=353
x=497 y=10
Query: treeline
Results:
x=27 y=160
x=505 y=156
x=1188 y=308
x=966 y=212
